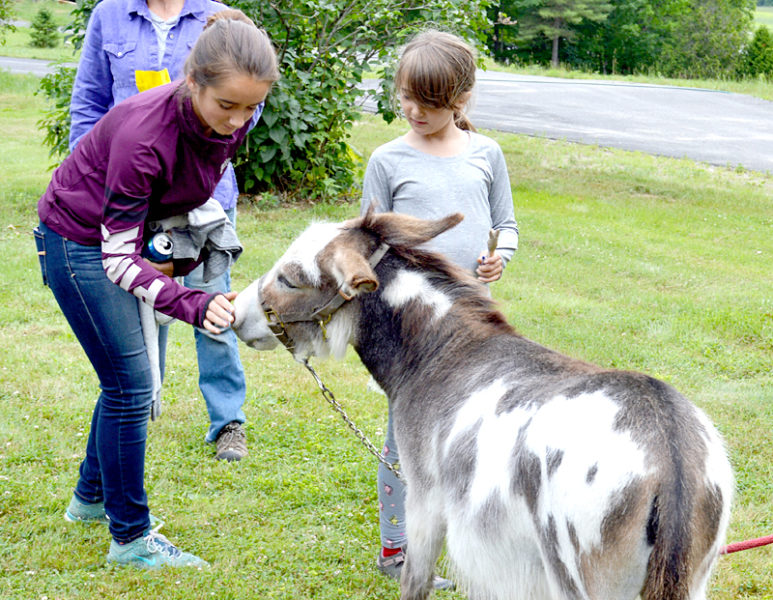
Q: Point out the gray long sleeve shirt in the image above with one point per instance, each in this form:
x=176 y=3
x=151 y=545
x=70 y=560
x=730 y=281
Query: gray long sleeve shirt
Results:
x=401 y=179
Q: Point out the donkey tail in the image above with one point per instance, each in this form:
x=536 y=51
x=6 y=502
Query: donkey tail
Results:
x=685 y=527
x=690 y=506
x=669 y=570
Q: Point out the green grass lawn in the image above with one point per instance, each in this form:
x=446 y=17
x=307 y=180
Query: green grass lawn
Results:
x=627 y=260
x=17 y=43
x=764 y=16
x=25 y=10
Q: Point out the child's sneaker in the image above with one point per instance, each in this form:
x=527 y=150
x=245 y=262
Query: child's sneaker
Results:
x=393 y=566
x=153 y=551
x=82 y=512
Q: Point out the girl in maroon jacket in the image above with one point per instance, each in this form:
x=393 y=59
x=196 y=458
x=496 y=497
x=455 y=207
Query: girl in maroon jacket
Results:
x=157 y=154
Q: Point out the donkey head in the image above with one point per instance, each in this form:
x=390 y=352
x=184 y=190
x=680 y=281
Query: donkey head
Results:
x=304 y=300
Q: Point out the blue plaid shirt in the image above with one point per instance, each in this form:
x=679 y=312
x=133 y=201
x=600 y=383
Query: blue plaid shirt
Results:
x=120 y=40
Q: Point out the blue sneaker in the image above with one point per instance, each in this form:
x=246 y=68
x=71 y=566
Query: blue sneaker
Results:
x=153 y=551
x=82 y=512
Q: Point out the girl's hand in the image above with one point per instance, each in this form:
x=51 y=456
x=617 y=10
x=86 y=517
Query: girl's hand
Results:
x=220 y=313
x=490 y=267
x=167 y=268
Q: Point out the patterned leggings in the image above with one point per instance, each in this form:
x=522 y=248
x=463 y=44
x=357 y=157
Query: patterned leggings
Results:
x=391 y=495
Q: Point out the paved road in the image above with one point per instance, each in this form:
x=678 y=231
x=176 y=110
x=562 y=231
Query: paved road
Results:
x=704 y=125
x=715 y=127
x=25 y=65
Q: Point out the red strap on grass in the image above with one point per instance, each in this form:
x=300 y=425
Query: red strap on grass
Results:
x=747 y=545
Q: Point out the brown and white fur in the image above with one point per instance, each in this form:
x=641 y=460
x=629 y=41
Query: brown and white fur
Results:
x=547 y=477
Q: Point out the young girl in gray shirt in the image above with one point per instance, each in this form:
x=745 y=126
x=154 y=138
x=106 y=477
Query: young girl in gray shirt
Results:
x=440 y=166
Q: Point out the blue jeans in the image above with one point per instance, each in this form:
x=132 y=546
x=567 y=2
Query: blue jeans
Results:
x=106 y=321
x=221 y=375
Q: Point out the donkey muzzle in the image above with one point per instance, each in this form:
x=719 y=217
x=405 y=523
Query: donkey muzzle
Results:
x=250 y=324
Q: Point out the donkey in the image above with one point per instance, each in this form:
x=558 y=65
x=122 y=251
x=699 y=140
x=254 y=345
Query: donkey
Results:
x=546 y=476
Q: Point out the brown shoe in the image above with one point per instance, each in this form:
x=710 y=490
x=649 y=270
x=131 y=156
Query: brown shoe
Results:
x=231 y=442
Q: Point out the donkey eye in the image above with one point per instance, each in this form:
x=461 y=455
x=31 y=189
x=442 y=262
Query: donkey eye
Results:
x=285 y=282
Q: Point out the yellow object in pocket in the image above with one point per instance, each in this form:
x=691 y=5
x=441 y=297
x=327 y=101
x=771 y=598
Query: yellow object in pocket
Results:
x=150 y=79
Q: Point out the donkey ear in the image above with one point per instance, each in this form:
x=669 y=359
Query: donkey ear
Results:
x=404 y=230
x=364 y=284
x=354 y=272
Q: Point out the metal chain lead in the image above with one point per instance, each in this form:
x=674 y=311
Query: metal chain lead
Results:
x=328 y=395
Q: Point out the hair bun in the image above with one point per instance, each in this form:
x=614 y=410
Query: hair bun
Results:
x=230 y=14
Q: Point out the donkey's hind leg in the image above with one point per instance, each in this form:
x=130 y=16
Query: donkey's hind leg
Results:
x=425 y=530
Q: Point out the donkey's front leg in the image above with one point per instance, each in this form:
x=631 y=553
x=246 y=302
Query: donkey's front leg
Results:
x=425 y=529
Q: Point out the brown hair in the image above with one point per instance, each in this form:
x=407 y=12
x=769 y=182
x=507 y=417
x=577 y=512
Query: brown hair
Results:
x=231 y=43
x=438 y=70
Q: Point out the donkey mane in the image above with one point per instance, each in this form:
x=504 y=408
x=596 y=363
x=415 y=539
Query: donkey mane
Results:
x=470 y=297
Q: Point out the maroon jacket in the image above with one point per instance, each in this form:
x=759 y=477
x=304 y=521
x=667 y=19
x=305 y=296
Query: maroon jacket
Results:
x=147 y=159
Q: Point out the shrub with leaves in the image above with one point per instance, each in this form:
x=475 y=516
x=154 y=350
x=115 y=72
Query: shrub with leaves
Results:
x=299 y=149
x=43 y=30
x=56 y=87
x=757 y=58
x=6 y=11
x=674 y=38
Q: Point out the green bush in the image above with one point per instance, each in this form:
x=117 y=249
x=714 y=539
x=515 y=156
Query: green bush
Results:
x=299 y=149
x=57 y=88
x=6 y=12
x=43 y=30
x=758 y=56
x=676 y=38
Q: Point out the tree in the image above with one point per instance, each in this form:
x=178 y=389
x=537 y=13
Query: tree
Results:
x=43 y=30
x=556 y=19
x=758 y=55
x=55 y=123
x=626 y=40
x=630 y=40
x=709 y=40
x=675 y=38
x=502 y=37
x=56 y=87
x=299 y=148
x=6 y=10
